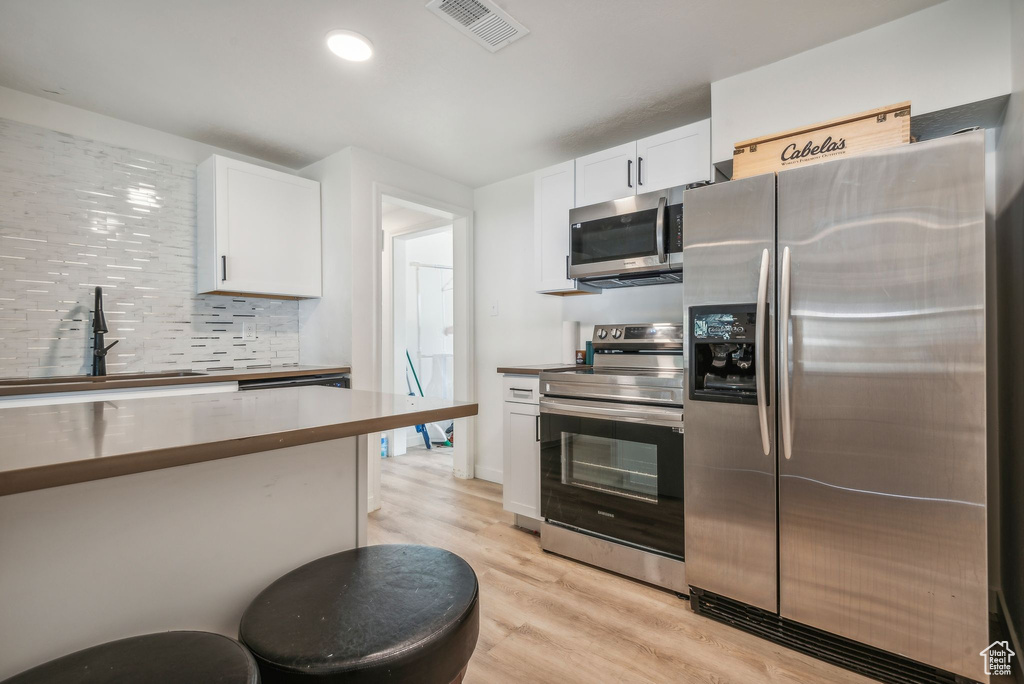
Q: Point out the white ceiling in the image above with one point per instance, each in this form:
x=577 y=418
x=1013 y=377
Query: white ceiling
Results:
x=254 y=76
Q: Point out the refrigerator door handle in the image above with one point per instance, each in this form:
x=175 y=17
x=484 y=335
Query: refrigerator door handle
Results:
x=784 y=313
x=759 y=367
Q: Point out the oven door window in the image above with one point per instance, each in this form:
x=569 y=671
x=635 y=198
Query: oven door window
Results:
x=619 y=479
x=619 y=467
x=616 y=237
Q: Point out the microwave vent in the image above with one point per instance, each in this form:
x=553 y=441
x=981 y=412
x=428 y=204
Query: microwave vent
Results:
x=481 y=20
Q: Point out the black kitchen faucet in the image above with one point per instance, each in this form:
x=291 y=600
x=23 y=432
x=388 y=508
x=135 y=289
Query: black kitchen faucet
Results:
x=99 y=326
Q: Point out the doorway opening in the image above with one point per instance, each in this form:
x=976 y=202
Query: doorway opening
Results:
x=426 y=327
x=423 y=347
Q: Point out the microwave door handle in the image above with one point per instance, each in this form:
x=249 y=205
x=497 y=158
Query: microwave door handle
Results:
x=659 y=229
x=759 y=349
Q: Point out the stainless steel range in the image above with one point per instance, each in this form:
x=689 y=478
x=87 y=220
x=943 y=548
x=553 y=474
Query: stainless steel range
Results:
x=612 y=455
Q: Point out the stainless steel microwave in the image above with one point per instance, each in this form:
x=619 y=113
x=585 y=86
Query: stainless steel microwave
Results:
x=630 y=241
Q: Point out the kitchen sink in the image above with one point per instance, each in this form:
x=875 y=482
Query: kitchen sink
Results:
x=9 y=382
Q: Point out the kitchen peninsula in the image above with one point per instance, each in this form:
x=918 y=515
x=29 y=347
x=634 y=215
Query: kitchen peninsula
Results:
x=127 y=516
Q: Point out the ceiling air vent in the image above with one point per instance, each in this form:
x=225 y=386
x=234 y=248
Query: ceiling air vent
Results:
x=481 y=20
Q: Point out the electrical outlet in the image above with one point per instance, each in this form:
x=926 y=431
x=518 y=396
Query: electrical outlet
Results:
x=248 y=331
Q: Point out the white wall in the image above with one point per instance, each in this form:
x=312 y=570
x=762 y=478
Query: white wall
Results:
x=649 y=304
x=351 y=181
x=325 y=324
x=528 y=326
x=947 y=55
x=39 y=111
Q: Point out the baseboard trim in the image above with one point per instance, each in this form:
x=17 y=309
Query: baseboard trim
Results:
x=490 y=474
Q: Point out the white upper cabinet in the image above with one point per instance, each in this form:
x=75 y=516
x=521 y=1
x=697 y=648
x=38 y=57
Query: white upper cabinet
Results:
x=258 y=231
x=554 y=191
x=676 y=157
x=606 y=175
x=553 y=195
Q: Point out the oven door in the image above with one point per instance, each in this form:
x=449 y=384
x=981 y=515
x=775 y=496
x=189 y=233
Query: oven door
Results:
x=615 y=470
x=624 y=236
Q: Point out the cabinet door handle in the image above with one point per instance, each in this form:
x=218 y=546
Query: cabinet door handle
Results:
x=629 y=173
x=538 y=428
x=223 y=268
x=639 y=170
x=567 y=267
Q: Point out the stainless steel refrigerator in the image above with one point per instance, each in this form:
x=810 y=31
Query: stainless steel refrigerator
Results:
x=835 y=444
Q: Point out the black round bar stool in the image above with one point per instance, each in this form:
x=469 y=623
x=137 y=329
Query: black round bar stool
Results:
x=163 y=658
x=391 y=613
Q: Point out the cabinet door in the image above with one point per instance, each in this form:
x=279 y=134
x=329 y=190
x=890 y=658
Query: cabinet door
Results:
x=606 y=175
x=521 y=481
x=676 y=157
x=554 y=191
x=268 y=231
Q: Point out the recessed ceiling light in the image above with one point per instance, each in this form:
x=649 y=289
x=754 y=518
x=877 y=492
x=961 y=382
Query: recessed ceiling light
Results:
x=350 y=45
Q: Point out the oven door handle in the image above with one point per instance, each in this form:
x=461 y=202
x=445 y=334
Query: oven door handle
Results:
x=579 y=408
x=659 y=229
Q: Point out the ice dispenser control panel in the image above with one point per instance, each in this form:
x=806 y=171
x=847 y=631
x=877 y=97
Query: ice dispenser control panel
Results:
x=722 y=346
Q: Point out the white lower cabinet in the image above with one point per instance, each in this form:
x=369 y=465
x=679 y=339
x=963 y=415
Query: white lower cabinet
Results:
x=521 y=481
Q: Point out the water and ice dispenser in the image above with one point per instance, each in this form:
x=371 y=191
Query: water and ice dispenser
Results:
x=722 y=342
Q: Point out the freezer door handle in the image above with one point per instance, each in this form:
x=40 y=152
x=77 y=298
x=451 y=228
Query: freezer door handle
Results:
x=784 y=312
x=759 y=367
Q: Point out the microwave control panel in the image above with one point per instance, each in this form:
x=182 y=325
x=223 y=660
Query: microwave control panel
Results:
x=675 y=228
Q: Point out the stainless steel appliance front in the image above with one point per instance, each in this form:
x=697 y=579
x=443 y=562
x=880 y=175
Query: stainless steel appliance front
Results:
x=612 y=455
x=881 y=439
x=730 y=477
x=882 y=488
x=613 y=242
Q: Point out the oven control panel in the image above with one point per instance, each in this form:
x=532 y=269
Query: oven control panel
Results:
x=639 y=335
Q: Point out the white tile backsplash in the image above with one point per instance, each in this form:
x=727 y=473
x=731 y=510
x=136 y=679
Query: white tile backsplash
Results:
x=75 y=213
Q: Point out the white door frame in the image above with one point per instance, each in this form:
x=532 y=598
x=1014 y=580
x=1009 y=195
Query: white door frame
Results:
x=461 y=219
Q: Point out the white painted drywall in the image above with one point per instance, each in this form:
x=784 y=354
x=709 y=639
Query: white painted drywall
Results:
x=649 y=304
x=947 y=55
x=38 y=111
x=351 y=181
x=528 y=326
x=325 y=324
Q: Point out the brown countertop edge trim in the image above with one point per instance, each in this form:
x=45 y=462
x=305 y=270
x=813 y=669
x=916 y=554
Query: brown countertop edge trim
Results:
x=210 y=376
x=74 y=472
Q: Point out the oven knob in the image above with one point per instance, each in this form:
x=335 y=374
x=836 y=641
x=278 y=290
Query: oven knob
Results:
x=602 y=333
x=616 y=333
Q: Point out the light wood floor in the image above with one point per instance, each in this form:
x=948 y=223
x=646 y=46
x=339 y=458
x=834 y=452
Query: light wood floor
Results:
x=549 y=619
